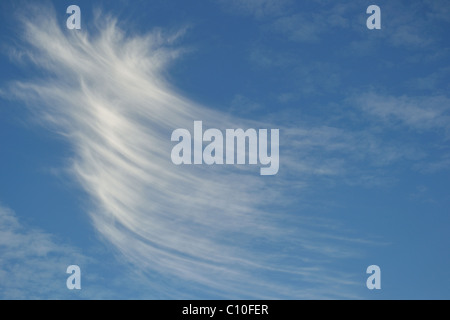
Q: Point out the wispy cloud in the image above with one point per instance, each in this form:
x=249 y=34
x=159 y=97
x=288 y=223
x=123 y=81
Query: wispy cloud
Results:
x=426 y=119
x=435 y=82
x=222 y=229
x=419 y=113
x=310 y=26
x=439 y=165
x=32 y=263
x=256 y=8
x=418 y=24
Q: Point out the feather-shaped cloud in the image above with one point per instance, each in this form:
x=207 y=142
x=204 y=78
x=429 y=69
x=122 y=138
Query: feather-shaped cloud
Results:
x=222 y=229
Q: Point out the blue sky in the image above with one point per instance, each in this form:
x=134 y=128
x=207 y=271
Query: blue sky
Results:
x=87 y=179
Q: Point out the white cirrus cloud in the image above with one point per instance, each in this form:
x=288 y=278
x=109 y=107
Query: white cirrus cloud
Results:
x=224 y=229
